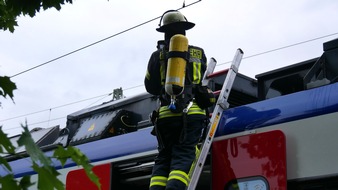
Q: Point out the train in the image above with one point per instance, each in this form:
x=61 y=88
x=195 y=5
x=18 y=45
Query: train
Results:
x=280 y=132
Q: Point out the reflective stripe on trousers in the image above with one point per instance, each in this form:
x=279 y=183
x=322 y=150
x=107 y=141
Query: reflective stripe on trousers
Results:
x=179 y=175
x=158 y=181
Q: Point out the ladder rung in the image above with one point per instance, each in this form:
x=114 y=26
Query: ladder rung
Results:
x=218 y=73
x=217 y=92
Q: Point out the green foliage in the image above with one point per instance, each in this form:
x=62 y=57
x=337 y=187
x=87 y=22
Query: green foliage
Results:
x=79 y=158
x=11 y=9
x=41 y=164
x=47 y=174
x=32 y=150
x=8 y=182
x=47 y=179
x=6 y=144
x=25 y=182
x=6 y=86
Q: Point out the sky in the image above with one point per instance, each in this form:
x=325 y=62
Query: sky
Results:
x=47 y=94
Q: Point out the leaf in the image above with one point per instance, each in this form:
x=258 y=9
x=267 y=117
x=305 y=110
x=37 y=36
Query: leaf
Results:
x=8 y=183
x=62 y=154
x=10 y=149
x=25 y=182
x=79 y=158
x=6 y=143
x=32 y=149
x=7 y=87
x=47 y=179
x=5 y=163
x=47 y=175
x=11 y=9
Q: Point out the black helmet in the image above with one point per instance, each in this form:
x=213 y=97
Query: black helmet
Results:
x=174 y=20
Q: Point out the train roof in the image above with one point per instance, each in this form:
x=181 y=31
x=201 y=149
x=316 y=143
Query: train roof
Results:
x=120 y=129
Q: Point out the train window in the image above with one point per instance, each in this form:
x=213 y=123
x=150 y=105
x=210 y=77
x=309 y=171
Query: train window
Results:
x=248 y=183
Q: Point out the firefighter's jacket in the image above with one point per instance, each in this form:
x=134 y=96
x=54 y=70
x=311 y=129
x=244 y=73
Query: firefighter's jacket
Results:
x=155 y=79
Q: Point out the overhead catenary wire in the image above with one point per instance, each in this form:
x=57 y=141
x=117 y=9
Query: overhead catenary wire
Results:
x=77 y=50
x=99 y=41
x=64 y=105
x=36 y=123
x=68 y=104
x=127 y=30
x=283 y=47
x=141 y=85
x=49 y=109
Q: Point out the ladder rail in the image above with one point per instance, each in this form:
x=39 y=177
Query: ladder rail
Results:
x=221 y=105
x=210 y=69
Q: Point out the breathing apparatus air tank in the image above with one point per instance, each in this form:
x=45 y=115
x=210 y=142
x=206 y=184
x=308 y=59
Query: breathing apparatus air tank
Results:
x=175 y=76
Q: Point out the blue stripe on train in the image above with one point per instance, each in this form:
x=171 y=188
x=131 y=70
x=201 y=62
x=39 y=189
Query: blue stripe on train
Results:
x=304 y=104
x=281 y=109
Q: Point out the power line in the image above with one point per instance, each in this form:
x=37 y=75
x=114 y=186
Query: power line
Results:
x=36 y=123
x=108 y=94
x=288 y=46
x=68 y=104
x=104 y=39
x=59 y=118
x=284 y=47
x=44 y=110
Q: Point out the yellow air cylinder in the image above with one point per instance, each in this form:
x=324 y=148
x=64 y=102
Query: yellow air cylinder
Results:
x=175 y=77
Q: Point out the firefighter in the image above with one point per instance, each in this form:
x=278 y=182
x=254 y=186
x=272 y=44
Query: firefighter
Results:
x=178 y=130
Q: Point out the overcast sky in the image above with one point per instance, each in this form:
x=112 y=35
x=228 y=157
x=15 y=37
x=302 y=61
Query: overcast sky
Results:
x=222 y=26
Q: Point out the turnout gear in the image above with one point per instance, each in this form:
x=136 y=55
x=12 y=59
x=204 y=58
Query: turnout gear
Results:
x=178 y=130
x=204 y=97
x=175 y=155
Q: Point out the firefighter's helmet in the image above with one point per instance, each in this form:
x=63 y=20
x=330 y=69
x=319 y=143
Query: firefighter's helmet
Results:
x=174 y=20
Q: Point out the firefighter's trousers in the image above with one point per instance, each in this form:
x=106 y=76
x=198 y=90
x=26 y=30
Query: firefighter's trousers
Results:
x=177 y=146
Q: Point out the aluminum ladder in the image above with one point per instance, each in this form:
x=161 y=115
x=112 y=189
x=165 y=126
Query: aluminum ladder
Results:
x=221 y=105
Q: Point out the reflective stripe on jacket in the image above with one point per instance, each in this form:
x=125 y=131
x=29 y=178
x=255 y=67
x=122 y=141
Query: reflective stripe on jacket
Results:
x=164 y=111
